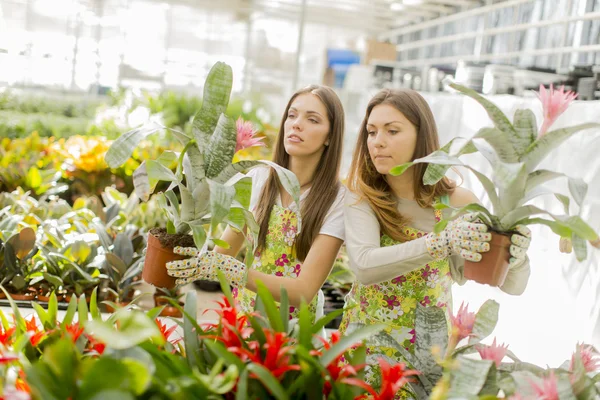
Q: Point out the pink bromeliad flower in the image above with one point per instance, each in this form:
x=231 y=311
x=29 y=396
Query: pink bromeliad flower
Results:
x=548 y=389
x=494 y=352
x=590 y=358
x=245 y=135
x=554 y=103
x=463 y=322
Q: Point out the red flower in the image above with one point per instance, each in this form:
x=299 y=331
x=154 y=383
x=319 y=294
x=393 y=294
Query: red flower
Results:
x=36 y=335
x=166 y=333
x=393 y=377
x=338 y=370
x=74 y=330
x=20 y=383
x=232 y=327
x=276 y=358
x=6 y=336
x=96 y=345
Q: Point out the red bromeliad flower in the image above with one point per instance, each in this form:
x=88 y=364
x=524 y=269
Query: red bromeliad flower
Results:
x=337 y=369
x=246 y=135
x=462 y=324
x=276 y=353
x=6 y=336
x=20 y=383
x=166 y=332
x=554 y=103
x=494 y=352
x=95 y=344
x=36 y=335
x=232 y=328
x=393 y=378
x=548 y=389
x=74 y=330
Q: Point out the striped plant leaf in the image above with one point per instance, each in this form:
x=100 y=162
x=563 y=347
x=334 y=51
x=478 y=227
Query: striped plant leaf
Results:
x=496 y=115
x=221 y=147
x=221 y=197
x=526 y=127
x=510 y=178
x=217 y=90
x=123 y=147
x=500 y=142
x=193 y=166
x=539 y=149
x=232 y=169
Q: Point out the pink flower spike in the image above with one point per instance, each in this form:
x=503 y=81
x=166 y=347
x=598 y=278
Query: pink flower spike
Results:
x=494 y=352
x=245 y=135
x=548 y=389
x=554 y=103
x=590 y=358
x=463 y=322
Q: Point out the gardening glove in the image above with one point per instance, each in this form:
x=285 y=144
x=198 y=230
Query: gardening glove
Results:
x=465 y=236
x=204 y=266
x=520 y=242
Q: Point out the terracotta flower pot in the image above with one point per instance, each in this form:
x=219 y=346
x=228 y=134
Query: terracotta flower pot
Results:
x=493 y=267
x=170 y=311
x=155 y=271
x=27 y=296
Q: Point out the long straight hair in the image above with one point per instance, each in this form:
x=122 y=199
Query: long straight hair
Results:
x=372 y=186
x=325 y=183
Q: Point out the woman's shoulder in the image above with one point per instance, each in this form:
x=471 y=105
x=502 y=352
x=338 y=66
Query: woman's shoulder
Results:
x=461 y=197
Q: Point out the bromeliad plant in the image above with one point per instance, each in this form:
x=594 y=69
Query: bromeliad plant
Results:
x=257 y=355
x=203 y=178
x=514 y=150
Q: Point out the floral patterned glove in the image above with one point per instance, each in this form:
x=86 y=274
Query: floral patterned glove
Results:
x=204 y=266
x=466 y=236
x=520 y=244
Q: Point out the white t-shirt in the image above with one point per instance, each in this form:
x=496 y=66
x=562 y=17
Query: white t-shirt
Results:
x=333 y=224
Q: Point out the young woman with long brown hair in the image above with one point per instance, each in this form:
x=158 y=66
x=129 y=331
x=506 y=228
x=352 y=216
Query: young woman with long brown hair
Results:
x=310 y=145
x=397 y=261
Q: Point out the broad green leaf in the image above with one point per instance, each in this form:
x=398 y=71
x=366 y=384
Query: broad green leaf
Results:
x=217 y=90
x=221 y=197
x=94 y=311
x=242 y=386
x=321 y=322
x=580 y=247
x=243 y=191
x=42 y=315
x=187 y=206
x=270 y=307
x=578 y=190
x=526 y=128
x=305 y=332
x=194 y=166
x=221 y=147
x=122 y=148
x=469 y=378
x=134 y=328
x=190 y=335
x=289 y=181
x=539 y=177
x=496 y=115
x=220 y=351
x=232 y=169
x=500 y=142
x=199 y=235
x=349 y=340
x=510 y=180
x=53 y=309
x=159 y=172
x=268 y=380
x=431 y=330
x=400 y=169
x=221 y=243
x=123 y=248
x=518 y=214
x=485 y=321
x=82 y=310
x=284 y=309
x=125 y=374
x=539 y=149
x=564 y=200
x=71 y=310
x=201 y=196
x=141 y=183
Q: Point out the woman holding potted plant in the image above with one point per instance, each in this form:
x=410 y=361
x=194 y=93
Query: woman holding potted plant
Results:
x=397 y=259
x=309 y=144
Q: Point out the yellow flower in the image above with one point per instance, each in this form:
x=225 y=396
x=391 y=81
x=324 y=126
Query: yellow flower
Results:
x=408 y=304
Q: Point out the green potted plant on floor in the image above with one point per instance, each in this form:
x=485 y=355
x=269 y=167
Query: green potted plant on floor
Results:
x=202 y=191
x=514 y=151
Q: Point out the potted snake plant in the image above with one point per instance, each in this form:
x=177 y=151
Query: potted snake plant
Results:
x=514 y=151
x=206 y=188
